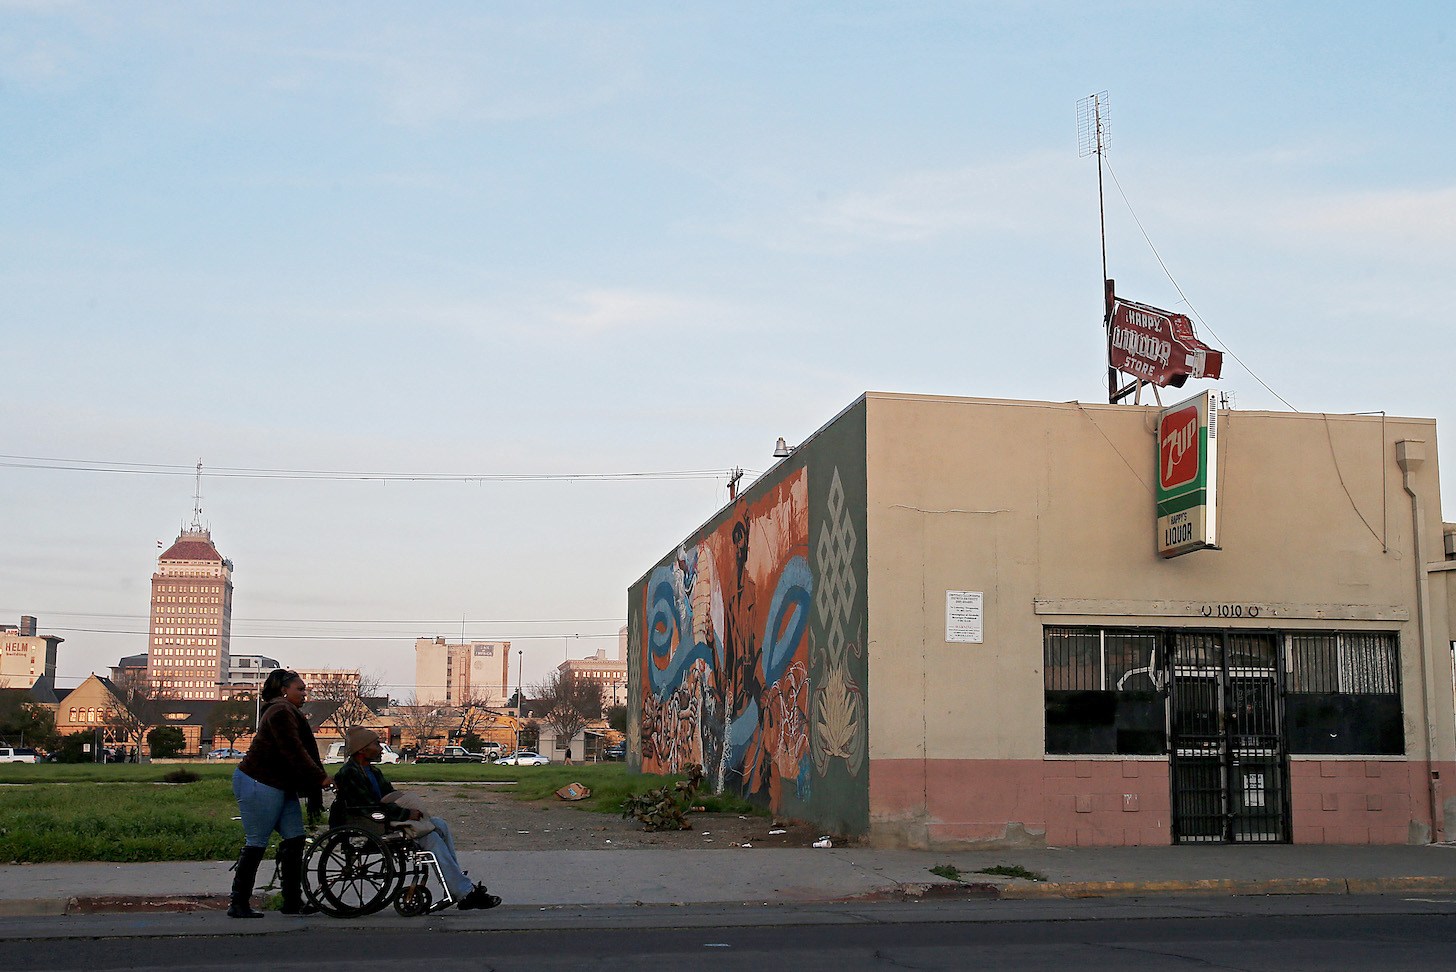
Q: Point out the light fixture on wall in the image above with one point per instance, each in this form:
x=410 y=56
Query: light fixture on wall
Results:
x=782 y=450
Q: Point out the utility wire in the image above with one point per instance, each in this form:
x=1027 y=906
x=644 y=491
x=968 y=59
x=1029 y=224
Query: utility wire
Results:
x=244 y=472
x=236 y=636
x=455 y=622
x=1184 y=296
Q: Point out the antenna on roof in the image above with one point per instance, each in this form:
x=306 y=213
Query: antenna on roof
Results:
x=1093 y=139
x=197 y=500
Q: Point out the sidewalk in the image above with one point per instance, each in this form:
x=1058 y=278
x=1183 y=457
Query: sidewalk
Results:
x=680 y=877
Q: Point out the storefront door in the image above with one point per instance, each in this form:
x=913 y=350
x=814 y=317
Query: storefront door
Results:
x=1229 y=764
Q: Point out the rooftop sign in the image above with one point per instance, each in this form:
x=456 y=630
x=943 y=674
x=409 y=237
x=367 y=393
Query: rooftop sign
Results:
x=1158 y=346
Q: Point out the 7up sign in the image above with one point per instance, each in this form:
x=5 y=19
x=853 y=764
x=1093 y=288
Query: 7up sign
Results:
x=1188 y=476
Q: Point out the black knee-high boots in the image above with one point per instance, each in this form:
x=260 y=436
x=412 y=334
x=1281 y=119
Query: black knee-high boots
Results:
x=290 y=875
x=241 y=905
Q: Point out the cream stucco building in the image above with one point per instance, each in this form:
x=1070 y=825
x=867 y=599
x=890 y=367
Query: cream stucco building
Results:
x=946 y=622
x=25 y=655
x=476 y=672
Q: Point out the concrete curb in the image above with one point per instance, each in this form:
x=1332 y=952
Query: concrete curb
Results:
x=939 y=890
x=98 y=904
x=1026 y=891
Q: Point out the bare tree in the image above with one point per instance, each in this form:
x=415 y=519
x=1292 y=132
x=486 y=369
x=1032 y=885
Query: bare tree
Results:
x=232 y=717
x=568 y=702
x=474 y=711
x=421 y=721
x=139 y=707
x=349 y=691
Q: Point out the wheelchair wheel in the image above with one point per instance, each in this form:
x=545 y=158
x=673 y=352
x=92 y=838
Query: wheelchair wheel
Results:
x=413 y=900
x=350 y=873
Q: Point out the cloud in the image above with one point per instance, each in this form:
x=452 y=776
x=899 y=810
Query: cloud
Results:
x=36 y=65
x=1020 y=196
x=1405 y=217
x=612 y=310
x=479 y=70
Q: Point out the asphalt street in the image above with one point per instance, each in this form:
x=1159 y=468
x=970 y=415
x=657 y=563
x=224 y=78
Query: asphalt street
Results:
x=1251 y=933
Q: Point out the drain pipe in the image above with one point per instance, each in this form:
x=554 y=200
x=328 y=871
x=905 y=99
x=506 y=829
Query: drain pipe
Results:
x=1411 y=454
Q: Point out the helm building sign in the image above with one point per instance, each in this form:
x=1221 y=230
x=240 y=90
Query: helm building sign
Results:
x=1157 y=346
x=1188 y=476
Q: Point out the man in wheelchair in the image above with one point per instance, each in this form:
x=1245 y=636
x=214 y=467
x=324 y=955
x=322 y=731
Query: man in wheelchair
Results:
x=362 y=792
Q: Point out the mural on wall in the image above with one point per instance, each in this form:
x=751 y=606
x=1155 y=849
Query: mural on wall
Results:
x=724 y=670
x=839 y=702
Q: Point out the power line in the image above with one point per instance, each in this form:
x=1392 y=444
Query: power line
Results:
x=244 y=472
x=234 y=636
x=402 y=621
x=1157 y=256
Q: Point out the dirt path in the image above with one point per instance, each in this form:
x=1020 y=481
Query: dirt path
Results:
x=484 y=817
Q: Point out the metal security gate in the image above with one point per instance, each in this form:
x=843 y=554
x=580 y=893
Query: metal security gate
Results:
x=1229 y=765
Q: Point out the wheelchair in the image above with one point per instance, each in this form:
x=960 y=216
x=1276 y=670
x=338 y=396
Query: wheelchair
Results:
x=362 y=868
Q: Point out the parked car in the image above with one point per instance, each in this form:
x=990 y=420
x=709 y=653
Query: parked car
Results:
x=225 y=753
x=523 y=758
x=452 y=754
x=336 y=754
x=615 y=753
x=10 y=754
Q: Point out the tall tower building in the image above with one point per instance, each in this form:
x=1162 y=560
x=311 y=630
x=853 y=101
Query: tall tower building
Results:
x=192 y=611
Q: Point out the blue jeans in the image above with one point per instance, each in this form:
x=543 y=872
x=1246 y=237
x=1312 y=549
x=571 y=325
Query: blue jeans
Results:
x=439 y=843
x=265 y=809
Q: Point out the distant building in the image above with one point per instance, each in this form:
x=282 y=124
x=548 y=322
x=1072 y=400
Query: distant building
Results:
x=342 y=677
x=26 y=656
x=90 y=707
x=129 y=667
x=475 y=671
x=192 y=612
x=611 y=672
x=246 y=673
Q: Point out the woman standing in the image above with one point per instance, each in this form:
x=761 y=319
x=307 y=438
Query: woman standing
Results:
x=281 y=766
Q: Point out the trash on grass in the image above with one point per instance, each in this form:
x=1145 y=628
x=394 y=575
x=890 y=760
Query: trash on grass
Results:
x=823 y=842
x=573 y=792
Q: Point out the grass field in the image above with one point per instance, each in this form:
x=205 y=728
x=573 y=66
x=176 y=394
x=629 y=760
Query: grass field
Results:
x=121 y=812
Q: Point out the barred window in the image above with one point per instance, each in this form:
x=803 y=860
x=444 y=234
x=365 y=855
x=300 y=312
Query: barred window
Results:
x=1343 y=693
x=1102 y=692
x=1354 y=663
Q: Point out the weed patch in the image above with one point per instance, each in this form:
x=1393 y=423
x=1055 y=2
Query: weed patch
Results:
x=1013 y=871
x=948 y=871
x=666 y=807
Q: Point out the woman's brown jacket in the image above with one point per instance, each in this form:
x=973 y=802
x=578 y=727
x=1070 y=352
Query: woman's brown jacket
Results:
x=284 y=753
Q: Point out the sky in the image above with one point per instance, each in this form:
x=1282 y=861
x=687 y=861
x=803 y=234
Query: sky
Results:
x=576 y=261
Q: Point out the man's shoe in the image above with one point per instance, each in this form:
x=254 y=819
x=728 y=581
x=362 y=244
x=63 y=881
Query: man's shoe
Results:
x=478 y=899
x=243 y=911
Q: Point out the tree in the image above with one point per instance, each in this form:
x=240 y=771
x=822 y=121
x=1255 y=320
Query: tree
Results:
x=166 y=742
x=420 y=721
x=139 y=706
x=349 y=691
x=73 y=747
x=530 y=736
x=616 y=716
x=232 y=717
x=568 y=702
x=26 y=723
x=474 y=711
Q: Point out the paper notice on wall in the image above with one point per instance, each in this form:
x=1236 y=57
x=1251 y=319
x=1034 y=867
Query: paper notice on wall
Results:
x=963 y=616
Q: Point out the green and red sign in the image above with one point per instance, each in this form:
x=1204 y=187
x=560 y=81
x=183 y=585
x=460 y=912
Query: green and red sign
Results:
x=1188 y=476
